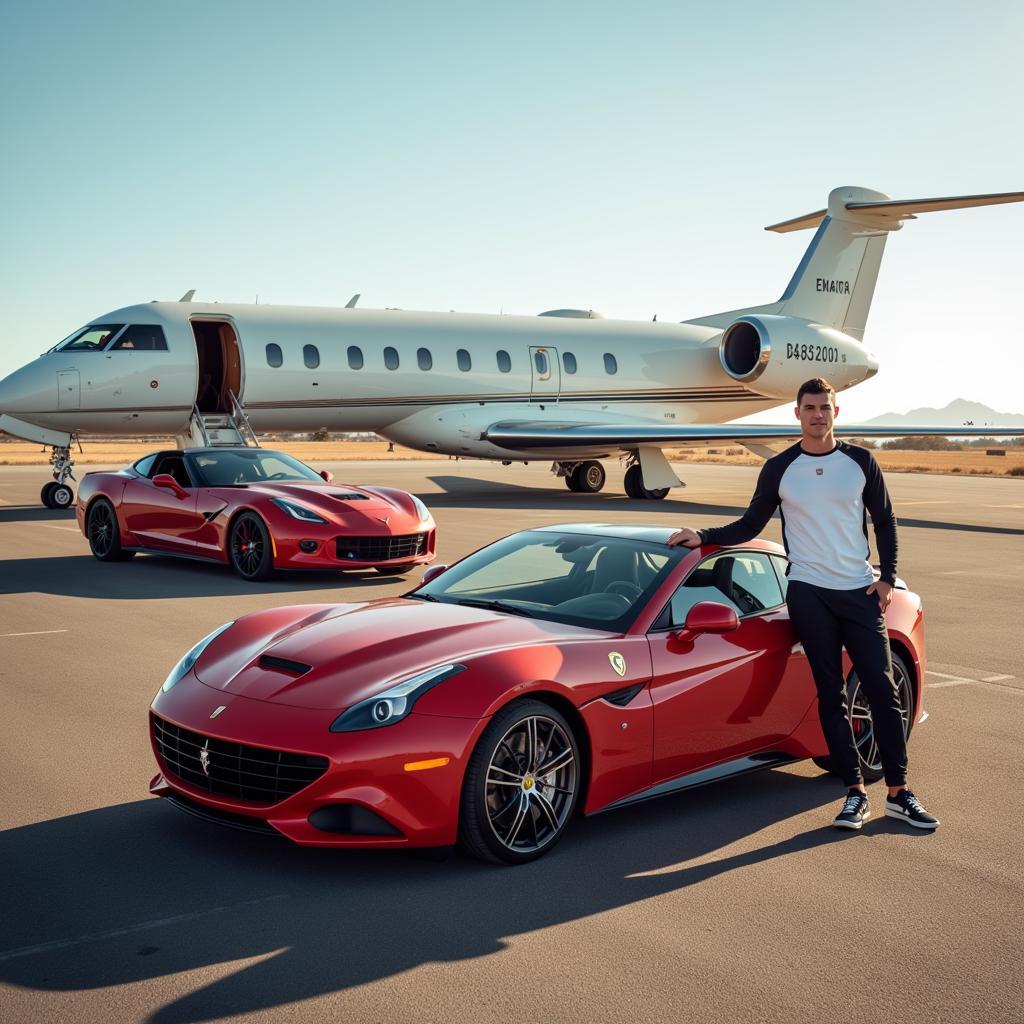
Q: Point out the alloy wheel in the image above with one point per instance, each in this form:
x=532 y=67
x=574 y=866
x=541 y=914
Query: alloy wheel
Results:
x=863 y=726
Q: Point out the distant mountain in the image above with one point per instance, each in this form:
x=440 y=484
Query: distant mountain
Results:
x=956 y=414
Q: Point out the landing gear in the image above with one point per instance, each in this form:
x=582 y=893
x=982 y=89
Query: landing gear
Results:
x=634 y=484
x=59 y=493
x=586 y=477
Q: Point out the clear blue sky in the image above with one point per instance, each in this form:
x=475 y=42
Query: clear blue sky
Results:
x=462 y=156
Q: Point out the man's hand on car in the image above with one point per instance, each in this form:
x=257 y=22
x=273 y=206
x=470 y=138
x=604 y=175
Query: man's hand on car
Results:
x=686 y=537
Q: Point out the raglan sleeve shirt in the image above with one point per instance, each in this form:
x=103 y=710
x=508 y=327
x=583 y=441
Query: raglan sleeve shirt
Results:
x=883 y=519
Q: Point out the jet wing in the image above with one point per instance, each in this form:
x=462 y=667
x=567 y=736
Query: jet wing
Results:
x=518 y=435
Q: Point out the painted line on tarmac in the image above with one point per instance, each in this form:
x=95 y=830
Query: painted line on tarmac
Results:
x=38 y=632
x=51 y=526
x=997 y=681
x=113 y=933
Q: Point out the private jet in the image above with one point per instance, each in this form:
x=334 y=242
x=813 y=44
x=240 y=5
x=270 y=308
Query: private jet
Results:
x=568 y=385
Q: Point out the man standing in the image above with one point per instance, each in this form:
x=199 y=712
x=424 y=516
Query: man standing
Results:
x=825 y=489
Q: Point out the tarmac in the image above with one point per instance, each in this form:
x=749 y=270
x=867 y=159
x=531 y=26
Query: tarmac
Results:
x=734 y=903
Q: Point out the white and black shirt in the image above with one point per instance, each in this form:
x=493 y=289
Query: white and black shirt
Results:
x=824 y=501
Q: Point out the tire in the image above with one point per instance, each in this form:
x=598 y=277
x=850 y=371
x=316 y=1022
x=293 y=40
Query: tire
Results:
x=393 y=570
x=249 y=549
x=633 y=483
x=570 y=481
x=44 y=494
x=860 y=714
x=588 y=477
x=61 y=496
x=104 y=533
x=511 y=814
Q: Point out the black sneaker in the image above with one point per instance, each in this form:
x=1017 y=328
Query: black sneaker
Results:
x=905 y=806
x=856 y=810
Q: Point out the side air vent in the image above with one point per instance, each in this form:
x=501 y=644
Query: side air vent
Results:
x=297 y=668
x=620 y=698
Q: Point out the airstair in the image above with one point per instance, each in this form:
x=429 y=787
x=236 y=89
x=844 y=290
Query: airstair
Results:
x=220 y=429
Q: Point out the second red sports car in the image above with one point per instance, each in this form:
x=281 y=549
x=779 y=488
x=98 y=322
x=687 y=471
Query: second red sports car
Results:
x=564 y=668
x=256 y=509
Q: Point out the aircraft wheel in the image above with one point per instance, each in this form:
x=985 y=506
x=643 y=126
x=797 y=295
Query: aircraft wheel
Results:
x=570 y=481
x=634 y=482
x=61 y=496
x=589 y=477
x=44 y=494
x=249 y=548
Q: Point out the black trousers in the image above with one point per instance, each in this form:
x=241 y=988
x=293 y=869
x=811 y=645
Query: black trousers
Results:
x=826 y=621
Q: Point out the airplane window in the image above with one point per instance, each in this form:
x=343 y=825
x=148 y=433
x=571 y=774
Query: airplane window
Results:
x=89 y=339
x=610 y=363
x=274 y=356
x=355 y=357
x=424 y=359
x=540 y=361
x=569 y=362
x=504 y=361
x=141 y=337
x=310 y=356
x=391 y=358
x=465 y=363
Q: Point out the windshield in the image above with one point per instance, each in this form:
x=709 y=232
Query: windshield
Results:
x=89 y=339
x=578 y=579
x=255 y=466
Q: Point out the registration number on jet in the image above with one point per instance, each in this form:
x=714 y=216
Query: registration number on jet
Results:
x=813 y=353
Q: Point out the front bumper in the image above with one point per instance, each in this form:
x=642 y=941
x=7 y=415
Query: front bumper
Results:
x=333 y=552
x=365 y=769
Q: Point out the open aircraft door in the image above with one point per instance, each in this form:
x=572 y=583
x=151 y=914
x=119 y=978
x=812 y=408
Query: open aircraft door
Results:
x=545 y=373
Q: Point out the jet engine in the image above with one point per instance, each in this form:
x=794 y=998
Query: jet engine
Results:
x=774 y=355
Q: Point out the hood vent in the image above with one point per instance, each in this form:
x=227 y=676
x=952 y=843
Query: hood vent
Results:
x=296 y=668
x=351 y=497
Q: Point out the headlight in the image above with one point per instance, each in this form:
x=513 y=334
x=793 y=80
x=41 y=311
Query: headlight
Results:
x=421 y=509
x=394 y=704
x=178 y=672
x=307 y=515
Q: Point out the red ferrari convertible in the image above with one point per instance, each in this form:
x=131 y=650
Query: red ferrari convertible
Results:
x=559 y=669
x=256 y=509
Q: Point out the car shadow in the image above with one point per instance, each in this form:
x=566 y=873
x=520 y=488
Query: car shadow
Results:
x=140 y=891
x=35 y=514
x=152 y=577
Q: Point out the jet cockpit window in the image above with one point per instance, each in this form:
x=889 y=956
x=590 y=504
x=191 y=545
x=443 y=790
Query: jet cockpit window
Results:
x=93 y=338
x=141 y=337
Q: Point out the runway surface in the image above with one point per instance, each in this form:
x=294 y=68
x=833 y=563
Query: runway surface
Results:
x=731 y=903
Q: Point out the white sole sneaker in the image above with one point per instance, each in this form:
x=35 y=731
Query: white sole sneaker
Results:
x=852 y=826
x=901 y=815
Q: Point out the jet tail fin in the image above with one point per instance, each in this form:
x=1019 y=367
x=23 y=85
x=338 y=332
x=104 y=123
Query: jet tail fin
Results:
x=835 y=281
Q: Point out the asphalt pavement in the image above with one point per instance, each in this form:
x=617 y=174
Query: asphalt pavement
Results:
x=731 y=903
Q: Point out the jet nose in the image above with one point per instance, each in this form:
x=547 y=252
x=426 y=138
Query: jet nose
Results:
x=27 y=390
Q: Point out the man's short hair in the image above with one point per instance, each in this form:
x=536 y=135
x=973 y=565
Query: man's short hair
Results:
x=816 y=386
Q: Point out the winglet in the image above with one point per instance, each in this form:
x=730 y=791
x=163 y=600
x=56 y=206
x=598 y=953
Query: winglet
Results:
x=351 y=304
x=187 y=297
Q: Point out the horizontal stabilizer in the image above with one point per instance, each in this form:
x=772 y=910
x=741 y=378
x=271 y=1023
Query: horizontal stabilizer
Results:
x=887 y=214
x=519 y=436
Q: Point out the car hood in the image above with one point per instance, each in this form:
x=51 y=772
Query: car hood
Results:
x=340 y=502
x=331 y=657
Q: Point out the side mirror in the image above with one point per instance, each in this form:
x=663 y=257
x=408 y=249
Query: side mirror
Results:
x=432 y=573
x=168 y=481
x=327 y=475
x=711 y=617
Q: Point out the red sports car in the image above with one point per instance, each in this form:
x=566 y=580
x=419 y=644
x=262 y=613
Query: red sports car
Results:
x=256 y=509
x=560 y=669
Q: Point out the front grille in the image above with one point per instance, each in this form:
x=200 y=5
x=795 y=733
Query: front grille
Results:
x=254 y=774
x=380 y=549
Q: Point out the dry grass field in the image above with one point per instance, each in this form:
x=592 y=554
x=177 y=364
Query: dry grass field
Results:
x=105 y=452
